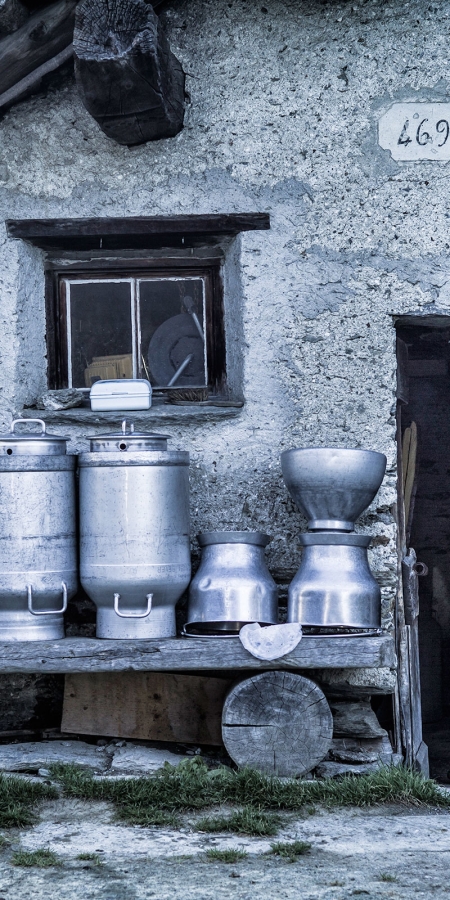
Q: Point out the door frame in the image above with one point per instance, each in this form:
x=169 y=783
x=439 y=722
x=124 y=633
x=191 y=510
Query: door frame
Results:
x=407 y=699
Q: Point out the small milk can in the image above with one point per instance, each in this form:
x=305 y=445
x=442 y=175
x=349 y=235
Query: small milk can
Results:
x=135 y=558
x=334 y=586
x=233 y=585
x=38 y=549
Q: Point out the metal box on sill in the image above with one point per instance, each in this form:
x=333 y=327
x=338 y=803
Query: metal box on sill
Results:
x=121 y=394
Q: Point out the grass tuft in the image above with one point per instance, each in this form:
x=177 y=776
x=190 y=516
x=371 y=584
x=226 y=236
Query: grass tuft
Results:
x=139 y=814
x=226 y=856
x=93 y=858
x=385 y=876
x=43 y=859
x=18 y=799
x=192 y=786
x=244 y=821
x=290 y=850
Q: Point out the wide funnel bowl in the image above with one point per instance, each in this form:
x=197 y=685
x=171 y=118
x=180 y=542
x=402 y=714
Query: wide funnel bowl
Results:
x=332 y=487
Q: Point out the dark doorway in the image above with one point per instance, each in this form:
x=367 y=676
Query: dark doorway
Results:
x=425 y=426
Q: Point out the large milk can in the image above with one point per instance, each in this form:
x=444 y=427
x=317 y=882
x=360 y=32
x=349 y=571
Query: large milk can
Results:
x=38 y=550
x=135 y=558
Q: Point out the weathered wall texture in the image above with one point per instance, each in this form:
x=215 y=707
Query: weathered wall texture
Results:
x=284 y=98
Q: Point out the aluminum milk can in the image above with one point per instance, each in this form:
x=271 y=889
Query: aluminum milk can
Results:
x=38 y=548
x=135 y=558
x=334 y=586
x=233 y=585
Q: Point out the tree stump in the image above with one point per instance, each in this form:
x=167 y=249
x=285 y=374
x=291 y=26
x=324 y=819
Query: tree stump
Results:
x=128 y=78
x=277 y=722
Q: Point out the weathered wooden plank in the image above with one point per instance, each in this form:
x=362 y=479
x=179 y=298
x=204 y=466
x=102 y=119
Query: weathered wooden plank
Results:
x=44 y=35
x=410 y=586
x=32 y=81
x=128 y=78
x=191 y=654
x=155 y=706
x=278 y=723
x=132 y=230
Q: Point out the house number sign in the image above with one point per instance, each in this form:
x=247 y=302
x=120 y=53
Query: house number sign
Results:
x=414 y=131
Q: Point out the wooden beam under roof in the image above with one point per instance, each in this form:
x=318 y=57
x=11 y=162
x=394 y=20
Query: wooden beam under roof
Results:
x=42 y=45
x=42 y=37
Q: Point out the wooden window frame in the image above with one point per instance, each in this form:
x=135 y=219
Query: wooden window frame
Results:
x=208 y=268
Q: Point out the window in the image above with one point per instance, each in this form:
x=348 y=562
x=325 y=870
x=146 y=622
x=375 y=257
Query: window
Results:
x=142 y=297
x=150 y=326
x=159 y=322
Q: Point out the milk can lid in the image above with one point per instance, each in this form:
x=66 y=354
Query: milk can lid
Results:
x=33 y=442
x=128 y=439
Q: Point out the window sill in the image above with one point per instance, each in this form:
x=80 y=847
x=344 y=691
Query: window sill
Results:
x=142 y=418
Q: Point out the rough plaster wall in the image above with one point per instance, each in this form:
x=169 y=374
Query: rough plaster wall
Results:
x=284 y=101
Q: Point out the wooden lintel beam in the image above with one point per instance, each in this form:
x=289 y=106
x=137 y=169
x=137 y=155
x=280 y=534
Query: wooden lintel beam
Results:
x=42 y=46
x=132 y=231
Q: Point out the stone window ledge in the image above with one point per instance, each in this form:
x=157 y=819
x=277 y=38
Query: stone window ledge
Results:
x=193 y=413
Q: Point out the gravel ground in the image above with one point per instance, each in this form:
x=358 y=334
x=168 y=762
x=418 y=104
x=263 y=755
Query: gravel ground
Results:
x=384 y=852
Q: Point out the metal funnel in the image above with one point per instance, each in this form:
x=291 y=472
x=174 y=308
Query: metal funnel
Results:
x=332 y=486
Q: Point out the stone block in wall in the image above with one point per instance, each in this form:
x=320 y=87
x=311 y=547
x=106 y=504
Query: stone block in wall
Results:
x=337 y=770
x=356 y=682
x=357 y=756
x=361 y=750
x=356 y=720
x=30 y=702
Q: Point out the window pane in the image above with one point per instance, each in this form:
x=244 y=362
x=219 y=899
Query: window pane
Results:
x=172 y=346
x=101 y=333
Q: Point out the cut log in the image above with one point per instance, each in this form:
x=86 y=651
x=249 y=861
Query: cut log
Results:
x=278 y=723
x=12 y=15
x=128 y=78
x=43 y=37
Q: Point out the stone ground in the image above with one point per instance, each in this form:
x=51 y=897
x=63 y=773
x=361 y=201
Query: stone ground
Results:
x=386 y=852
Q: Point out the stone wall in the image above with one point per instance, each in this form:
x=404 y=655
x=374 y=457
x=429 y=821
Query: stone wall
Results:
x=283 y=103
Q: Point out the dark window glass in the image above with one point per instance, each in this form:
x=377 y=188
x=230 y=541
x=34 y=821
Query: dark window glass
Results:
x=100 y=331
x=172 y=328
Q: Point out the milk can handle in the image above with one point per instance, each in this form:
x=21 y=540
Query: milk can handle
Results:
x=124 y=615
x=27 y=422
x=47 y=612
